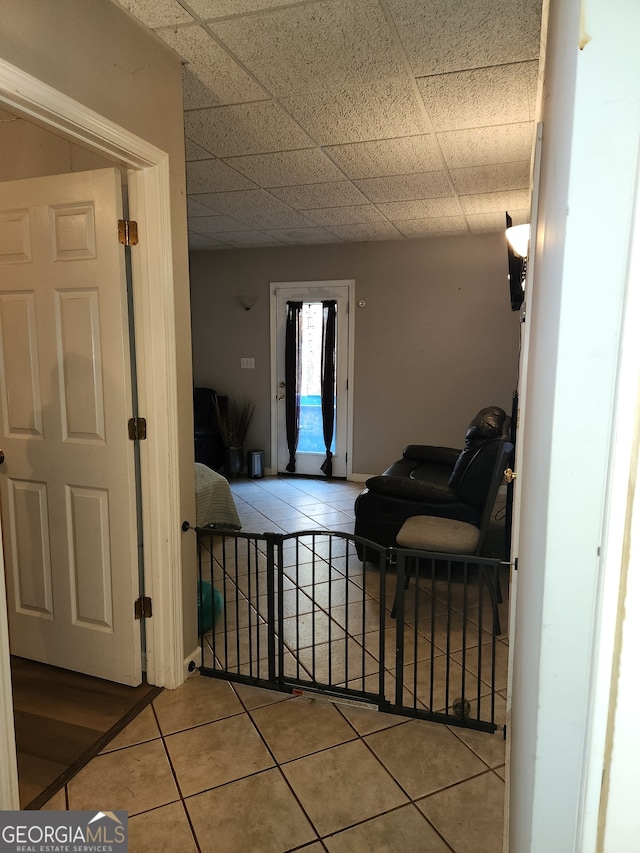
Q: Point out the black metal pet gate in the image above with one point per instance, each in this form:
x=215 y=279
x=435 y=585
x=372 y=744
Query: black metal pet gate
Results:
x=406 y=632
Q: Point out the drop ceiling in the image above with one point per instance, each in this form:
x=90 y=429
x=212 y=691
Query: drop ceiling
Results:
x=330 y=121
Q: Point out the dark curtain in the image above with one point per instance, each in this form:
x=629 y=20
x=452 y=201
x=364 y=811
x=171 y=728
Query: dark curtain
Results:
x=328 y=380
x=292 y=378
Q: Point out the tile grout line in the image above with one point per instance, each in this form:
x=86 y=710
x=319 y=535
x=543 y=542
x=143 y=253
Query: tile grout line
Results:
x=177 y=783
x=389 y=773
x=278 y=766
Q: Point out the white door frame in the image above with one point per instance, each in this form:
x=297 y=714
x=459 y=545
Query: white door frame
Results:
x=297 y=285
x=523 y=367
x=153 y=295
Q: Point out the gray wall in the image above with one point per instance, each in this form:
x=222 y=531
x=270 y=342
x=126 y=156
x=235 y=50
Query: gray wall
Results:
x=436 y=341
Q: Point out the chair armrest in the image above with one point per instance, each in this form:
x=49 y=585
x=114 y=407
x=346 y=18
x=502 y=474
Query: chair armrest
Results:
x=428 y=453
x=409 y=489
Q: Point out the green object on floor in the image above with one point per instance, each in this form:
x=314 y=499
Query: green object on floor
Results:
x=209 y=606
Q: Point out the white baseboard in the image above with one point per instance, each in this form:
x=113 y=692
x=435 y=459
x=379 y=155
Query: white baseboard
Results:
x=352 y=478
x=359 y=478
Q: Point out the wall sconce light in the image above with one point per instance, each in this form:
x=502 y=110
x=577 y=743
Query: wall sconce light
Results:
x=247 y=300
x=518 y=237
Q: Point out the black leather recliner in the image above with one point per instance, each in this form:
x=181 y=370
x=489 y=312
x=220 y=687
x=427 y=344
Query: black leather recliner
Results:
x=429 y=480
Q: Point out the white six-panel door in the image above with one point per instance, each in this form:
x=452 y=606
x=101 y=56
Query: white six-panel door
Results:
x=67 y=484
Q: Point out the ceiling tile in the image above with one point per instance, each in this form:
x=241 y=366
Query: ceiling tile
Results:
x=211 y=176
x=302 y=236
x=284 y=168
x=405 y=187
x=211 y=9
x=387 y=156
x=314 y=47
x=503 y=94
x=301 y=115
x=483 y=179
x=196 y=95
x=482 y=222
x=482 y=145
x=366 y=231
x=425 y=208
x=157 y=13
x=212 y=65
x=358 y=114
x=196 y=208
x=216 y=224
x=344 y=215
x=466 y=35
x=201 y=241
x=334 y=194
x=256 y=208
x=195 y=152
x=495 y=202
x=251 y=238
x=244 y=129
x=430 y=227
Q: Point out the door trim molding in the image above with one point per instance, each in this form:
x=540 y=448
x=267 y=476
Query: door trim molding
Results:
x=149 y=187
x=350 y=284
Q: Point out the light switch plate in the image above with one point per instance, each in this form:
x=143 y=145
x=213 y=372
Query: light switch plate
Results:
x=247 y=362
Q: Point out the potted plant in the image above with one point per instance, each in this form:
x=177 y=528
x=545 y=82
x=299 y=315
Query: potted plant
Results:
x=234 y=417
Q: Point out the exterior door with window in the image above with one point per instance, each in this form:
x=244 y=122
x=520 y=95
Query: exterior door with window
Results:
x=310 y=395
x=67 y=483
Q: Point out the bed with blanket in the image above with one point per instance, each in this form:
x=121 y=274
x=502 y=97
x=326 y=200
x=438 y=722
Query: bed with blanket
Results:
x=215 y=506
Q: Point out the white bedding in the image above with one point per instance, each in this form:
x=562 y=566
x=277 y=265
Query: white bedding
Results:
x=214 y=501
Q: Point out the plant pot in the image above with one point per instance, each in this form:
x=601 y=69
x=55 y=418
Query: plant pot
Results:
x=233 y=461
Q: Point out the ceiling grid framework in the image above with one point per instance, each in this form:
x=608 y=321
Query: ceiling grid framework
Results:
x=329 y=121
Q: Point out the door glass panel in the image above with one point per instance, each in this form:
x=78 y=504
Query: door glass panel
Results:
x=311 y=438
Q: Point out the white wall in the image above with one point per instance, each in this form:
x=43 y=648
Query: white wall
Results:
x=591 y=114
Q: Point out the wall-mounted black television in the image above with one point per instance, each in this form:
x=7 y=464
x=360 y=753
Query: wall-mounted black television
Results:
x=517 y=269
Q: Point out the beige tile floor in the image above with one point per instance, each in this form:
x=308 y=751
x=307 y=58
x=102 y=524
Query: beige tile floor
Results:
x=229 y=768
x=214 y=766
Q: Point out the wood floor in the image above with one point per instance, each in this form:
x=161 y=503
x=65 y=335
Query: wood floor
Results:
x=63 y=719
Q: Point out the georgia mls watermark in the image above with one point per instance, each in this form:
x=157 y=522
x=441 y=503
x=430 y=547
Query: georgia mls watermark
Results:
x=63 y=832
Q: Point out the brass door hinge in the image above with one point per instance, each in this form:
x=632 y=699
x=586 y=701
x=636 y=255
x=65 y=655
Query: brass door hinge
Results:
x=510 y=475
x=137 y=429
x=128 y=232
x=142 y=607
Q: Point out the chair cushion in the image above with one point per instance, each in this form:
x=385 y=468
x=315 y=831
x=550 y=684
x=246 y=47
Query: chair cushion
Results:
x=446 y=535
